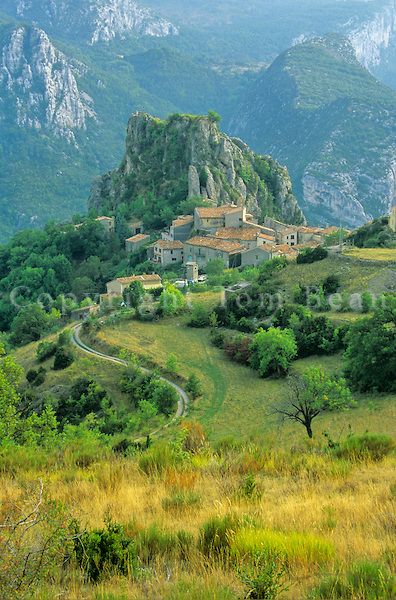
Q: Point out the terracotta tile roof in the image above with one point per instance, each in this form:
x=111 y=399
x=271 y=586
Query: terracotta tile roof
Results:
x=284 y=249
x=304 y=229
x=168 y=245
x=265 y=236
x=139 y=237
x=236 y=233
x=216 y=211
x=151 y=277
x=289 y=230
x=183 y=220
x=215 y=244
x=104 y=219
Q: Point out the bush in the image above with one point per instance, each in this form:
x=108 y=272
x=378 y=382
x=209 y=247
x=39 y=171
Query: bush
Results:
x=311 y=255
x=263 y=576
x=105 y=552
x=36 y=378
x=216 y=536
x=200 y=316
x=331 y=284
x=45 y=350
x=238 y=349
x=194 y=387
x=63 y=358
x=369 y=446
x=272 y=351
x=365 y=580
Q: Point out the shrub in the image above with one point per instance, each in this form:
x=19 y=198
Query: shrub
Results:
x=200 y=316
x=216 y=536
x=45 y=350
x=249 y=487
x=263 y=576
x=311 y=255
x=238 y=348
x=365 y=580
x=193 y=387
x=63 y=358
x=272 y=351
x=369 y=446
x=36 y=378
x=104 y=552
x=295 y=547
x=331 y=284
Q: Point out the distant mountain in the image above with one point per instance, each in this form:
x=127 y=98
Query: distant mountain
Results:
x=187 y=156
x=317 y=110
x=38 y=85
x=91 y=20
x=64 y=109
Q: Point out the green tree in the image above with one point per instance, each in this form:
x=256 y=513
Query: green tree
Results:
x=133 y=296
x=164 y=397
x=311 y=394
x=171 y=301
x=273 y=351
x=29 y=325
x=370 y=357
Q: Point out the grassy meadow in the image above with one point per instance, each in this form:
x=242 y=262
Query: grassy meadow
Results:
x=236 y=401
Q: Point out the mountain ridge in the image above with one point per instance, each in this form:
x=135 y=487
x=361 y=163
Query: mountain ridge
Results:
x=334 y=130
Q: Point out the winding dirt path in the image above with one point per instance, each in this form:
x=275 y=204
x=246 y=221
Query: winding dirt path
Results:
x=183 y=402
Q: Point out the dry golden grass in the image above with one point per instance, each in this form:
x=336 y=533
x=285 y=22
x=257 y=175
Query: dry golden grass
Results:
x=372 y=253
x=351 y=507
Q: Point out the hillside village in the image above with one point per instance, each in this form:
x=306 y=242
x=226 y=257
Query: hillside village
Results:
x=224 y=232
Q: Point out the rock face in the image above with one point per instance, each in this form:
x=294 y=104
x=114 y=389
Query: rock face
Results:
x=38 y=85
x=92 y=20
x=188 y=156
x=335 y=129
x=371 y=39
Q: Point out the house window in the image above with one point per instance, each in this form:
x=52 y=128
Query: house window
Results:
x=174 y=259
x=138 y=230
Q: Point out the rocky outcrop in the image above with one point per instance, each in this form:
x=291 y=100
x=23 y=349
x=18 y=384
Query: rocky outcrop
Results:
x=93 y=20
x=372 y=38
x=38 y=85
x=188 y=156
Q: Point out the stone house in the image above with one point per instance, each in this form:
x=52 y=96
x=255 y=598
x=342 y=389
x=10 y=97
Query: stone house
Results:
x=167 y=252
x=136 y=227
x=136 y=242
x=255 y=256
x=209 y=219
x=181 y=228
x=247 y=237
x=204 y=249
x=149 y=282
x=108 y=223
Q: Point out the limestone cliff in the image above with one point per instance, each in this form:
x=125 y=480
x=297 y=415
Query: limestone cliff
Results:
x=38 y=85
x=186 y=157
x=92 y=20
